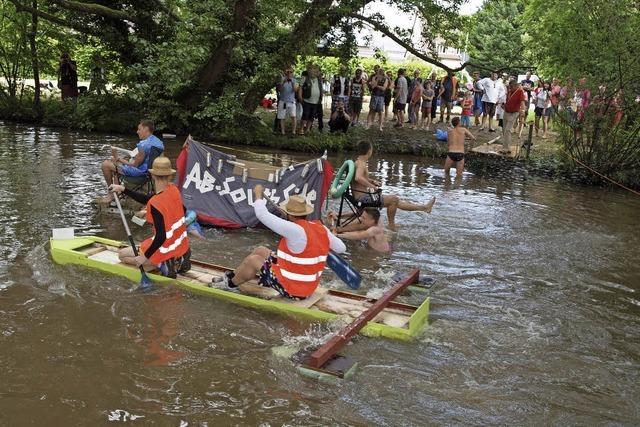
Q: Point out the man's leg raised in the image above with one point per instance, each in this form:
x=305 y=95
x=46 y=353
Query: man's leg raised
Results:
x=250 y=265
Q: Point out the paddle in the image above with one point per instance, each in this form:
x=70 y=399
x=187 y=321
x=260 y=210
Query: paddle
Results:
x=145 y=281
x=339 y=265
x=344 y=270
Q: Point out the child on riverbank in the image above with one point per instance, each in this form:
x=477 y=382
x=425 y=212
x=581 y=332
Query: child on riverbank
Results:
x=467 y=109
x=427 y=100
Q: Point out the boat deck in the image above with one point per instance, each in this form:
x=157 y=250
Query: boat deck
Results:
x=327 y=300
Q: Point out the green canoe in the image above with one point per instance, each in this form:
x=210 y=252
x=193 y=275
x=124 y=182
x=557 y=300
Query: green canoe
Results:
x=398 y=321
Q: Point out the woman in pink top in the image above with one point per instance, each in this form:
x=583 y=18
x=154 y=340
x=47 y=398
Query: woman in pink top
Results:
x=554 y=96
x=416 y=102
x=583 y=98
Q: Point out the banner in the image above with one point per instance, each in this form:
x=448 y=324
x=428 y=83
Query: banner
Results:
x=219 y=187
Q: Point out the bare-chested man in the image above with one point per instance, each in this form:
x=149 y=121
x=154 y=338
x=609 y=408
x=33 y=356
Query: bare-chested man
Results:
x=368 y=228
x=364 y=188
x=455 y=138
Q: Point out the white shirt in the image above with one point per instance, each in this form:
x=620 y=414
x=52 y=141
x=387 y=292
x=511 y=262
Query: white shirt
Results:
x=314 y=98
x=402 y=90
x=542 y=98
x=502 y=92
x=342 y=86
x=490 y=90
x=295 y=235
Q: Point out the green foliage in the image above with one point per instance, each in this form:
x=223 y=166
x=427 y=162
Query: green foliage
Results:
x=581 y=38
x=598 y=41
x=496 y=36
x=331 y=65
x=14 y=51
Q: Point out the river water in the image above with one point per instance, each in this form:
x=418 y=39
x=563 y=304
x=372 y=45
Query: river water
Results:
x=534 y=320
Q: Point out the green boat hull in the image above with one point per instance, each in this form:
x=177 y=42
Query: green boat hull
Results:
x=67 y=252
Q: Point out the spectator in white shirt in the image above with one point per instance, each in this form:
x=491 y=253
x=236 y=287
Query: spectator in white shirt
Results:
x=502 y=98
x=402 y=91
x=489 y=99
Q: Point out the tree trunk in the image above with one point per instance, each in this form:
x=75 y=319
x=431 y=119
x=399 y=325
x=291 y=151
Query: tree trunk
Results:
x=219 y=59
x=318 y=19
x=34 y=60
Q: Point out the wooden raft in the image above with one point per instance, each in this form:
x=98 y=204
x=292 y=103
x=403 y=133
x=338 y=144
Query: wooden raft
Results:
x=327 y=300
x=328 y=350
x=493 y=148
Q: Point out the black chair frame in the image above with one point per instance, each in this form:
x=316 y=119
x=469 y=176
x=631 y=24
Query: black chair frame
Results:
x=352 y=208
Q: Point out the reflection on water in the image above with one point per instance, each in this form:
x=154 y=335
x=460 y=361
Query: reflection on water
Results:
x=534 y=313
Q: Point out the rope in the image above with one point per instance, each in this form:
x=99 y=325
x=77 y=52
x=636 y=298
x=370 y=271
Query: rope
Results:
x=230 y=148
x=603 y=176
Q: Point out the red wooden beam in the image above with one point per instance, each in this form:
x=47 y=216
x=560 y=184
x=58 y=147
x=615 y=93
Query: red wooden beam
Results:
x=335 y=344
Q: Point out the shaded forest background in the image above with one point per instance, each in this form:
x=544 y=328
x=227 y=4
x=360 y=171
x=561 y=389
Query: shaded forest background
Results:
x=203 y=66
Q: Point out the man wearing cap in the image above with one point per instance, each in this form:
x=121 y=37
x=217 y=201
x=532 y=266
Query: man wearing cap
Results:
x=295 y=270
x=168 y=248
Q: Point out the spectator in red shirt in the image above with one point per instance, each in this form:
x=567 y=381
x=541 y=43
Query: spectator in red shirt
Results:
x=267 y=103
x=515 y=103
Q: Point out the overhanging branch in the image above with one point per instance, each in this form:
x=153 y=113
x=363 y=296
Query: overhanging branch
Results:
x=95 y=9
x=54 y=19
x=419 y=54
x=387 y=32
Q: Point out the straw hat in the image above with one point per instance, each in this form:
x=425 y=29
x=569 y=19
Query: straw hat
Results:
x=297 y=206
x=161 y=167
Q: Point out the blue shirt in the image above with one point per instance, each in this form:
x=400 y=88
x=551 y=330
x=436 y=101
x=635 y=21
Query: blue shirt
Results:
x=146 y=145
x=288 y=93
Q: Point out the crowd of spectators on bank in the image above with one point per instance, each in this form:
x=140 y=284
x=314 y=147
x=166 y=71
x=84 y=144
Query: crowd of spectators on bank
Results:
x=408 y=99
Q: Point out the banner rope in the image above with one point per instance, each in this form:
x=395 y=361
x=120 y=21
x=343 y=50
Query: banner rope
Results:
x=231 y=148
x=603 y=176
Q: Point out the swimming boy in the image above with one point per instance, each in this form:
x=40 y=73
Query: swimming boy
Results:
x=373 y=232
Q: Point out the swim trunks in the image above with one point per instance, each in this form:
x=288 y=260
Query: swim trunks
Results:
x=373 y=200
x=267 y=278
x=456 y=157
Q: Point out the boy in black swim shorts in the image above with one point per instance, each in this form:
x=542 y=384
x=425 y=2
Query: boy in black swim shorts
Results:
x=455 y=138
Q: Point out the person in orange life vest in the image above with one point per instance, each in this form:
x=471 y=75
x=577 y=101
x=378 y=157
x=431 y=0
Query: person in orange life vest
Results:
x=168 y=248
x=295 y=270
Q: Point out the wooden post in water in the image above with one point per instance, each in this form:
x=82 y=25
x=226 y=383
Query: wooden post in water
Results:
x=319 y=357
x=529 y=142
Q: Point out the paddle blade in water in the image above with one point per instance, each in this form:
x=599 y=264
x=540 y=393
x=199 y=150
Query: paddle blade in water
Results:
x=145 y=282
x=344 y=270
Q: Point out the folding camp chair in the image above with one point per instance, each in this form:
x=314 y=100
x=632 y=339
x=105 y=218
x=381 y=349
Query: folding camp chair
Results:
x=351 y=208
x=142 y=183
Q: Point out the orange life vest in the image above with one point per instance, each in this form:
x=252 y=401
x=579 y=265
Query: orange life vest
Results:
x=299 y=274
x=169 y=203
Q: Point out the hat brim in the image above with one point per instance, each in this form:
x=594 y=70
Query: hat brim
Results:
x=165 y=172
x=283 y=207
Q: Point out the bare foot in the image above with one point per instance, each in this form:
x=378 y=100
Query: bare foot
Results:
x=393 y=226
x=429 y=206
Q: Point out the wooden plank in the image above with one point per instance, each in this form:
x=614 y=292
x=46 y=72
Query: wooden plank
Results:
x=308 y=302
x=93 y=251
x=492 y=148
x=331 y=347
x=393 y=304
x=252 y=288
